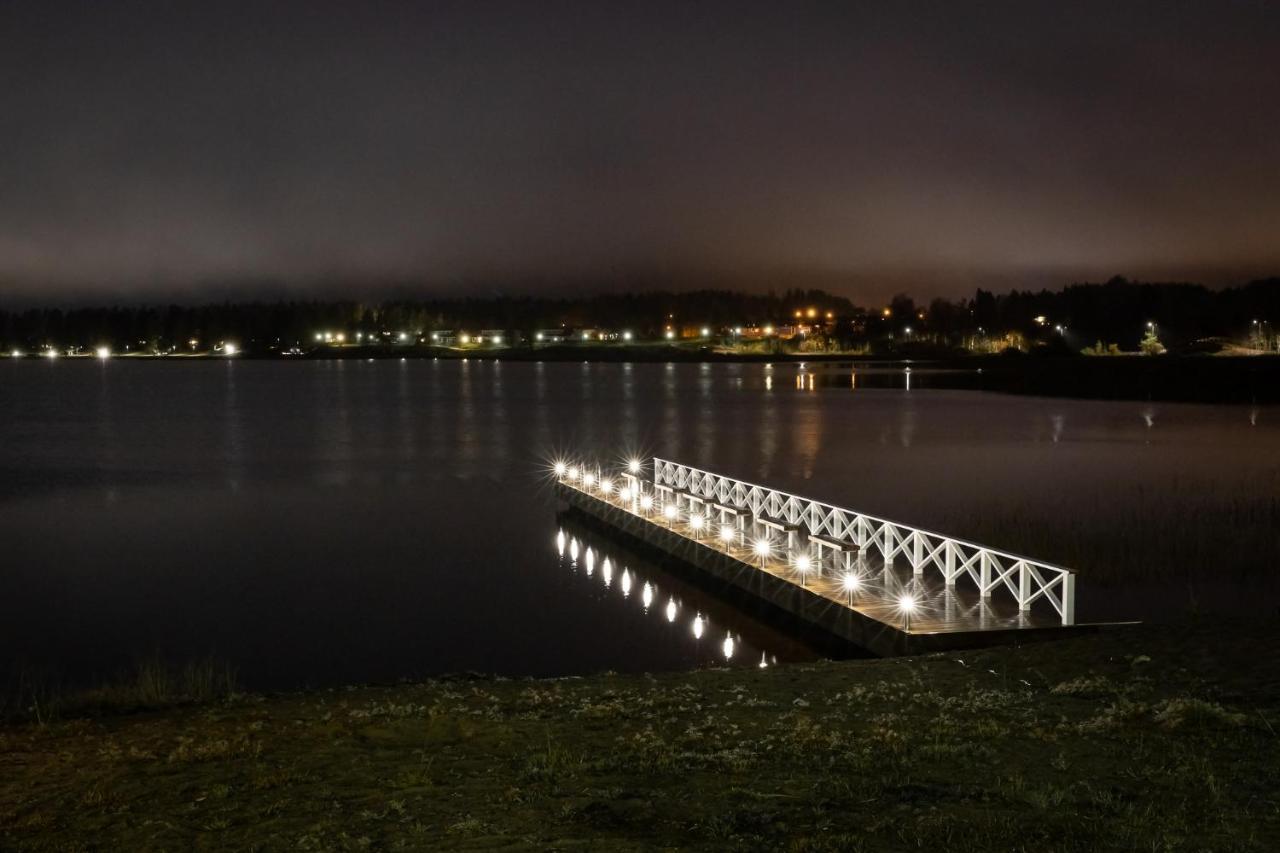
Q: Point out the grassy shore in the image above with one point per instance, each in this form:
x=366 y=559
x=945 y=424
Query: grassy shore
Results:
x=1155 y=738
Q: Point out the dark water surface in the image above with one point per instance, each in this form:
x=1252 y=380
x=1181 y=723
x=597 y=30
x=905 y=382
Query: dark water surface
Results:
x=327 y=522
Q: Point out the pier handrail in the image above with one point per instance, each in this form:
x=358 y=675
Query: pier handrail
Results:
x=990 y=569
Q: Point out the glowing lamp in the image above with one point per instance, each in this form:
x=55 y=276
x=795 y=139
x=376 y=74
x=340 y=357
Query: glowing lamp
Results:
x=696 y=522
x=698 y=627
x=634 y=466
x=103 y=352
x=726 y=533
x=646 y=503
x=606 y=486
x=573 y=472
x=230 y=349
x=560 y=469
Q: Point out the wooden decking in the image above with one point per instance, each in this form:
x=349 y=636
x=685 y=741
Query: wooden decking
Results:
x=871 y=616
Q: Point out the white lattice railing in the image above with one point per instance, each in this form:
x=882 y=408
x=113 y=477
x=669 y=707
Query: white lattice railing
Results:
x=1027 y=580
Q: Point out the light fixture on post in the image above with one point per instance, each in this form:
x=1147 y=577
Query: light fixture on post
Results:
x=803 y=565
x=850 y=583
x=762 y=550
x=907 y=604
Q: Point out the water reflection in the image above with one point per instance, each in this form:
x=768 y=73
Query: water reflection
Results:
x=738 y=637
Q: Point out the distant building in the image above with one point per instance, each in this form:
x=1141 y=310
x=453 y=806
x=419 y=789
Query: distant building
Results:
x=551 y=336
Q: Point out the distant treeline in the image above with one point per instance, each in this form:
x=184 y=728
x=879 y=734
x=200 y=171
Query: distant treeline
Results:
x=1080 y=314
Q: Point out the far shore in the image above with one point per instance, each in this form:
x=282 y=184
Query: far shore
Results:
x=1232 y=379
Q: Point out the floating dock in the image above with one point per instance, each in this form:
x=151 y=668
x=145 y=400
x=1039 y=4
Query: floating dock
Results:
x=886 y=587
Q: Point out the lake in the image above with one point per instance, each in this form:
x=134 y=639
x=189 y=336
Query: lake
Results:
x=324 y=522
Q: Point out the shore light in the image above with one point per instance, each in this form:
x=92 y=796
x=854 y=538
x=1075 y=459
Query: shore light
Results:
x=588 y=479
x=696 y=522
x=624 y=494
x=16 y=354
x=103 y=353
x=561 y=468
x=634 y=466
x=646 y=502
x=670 y=512
x=51 y=353
x=230 y=349
x=626 y=336
x=497 y=339
x=726 y=533
x=670 y=335
x=706 y=332
x=762 y=549
x=340 y=337
x=573 y=472
x=606 y=486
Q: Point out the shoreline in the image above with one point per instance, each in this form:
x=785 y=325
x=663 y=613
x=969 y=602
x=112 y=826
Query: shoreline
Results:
x=1110 y=740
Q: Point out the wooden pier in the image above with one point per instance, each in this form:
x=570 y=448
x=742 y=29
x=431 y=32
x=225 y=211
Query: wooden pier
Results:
x=864 y=581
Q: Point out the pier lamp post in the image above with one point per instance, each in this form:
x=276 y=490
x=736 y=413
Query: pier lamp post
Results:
x=561 y=469
x=727 y=535
x=670 y=512
x=588 y=480
x=646 y=503
x=803 y=564
x=573 y=473
x=606 y=487
x=762 y=550
x=850 y=584
x=696 y=522
x=907 y=604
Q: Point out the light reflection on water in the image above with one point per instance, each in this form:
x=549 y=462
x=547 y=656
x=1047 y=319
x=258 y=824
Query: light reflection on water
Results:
x=319 y=522
x=732 y=637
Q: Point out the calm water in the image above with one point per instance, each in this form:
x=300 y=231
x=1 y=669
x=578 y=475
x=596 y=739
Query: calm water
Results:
x=326 y=522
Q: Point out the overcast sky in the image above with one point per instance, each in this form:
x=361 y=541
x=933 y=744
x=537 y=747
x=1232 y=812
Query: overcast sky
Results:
x=161 y=148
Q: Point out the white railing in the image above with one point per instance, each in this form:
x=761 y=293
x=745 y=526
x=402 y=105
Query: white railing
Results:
x=991 y=570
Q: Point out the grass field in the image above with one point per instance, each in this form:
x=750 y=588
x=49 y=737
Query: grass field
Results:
x=1155 y=738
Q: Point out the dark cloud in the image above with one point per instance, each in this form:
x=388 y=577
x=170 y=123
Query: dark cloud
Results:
x=148 y=147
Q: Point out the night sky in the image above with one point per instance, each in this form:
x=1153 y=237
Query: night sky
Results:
x=189 y=148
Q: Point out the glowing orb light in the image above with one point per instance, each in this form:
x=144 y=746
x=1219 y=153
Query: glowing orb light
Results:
x=561 y=468
x=726 y=533
x=103 y=352
x=698 y=627
x=634 y=466
x=646 y=503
